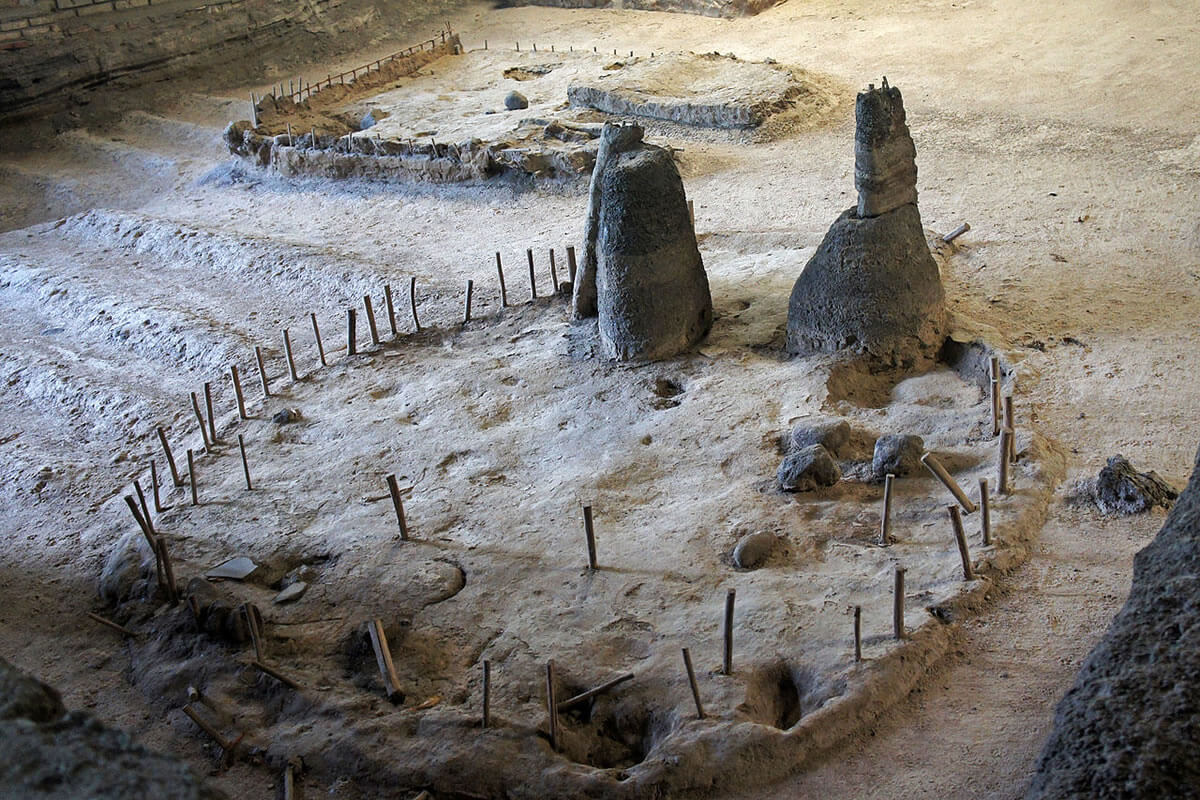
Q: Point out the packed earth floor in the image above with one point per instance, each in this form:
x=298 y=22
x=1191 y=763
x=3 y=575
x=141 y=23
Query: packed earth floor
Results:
x=140 y=261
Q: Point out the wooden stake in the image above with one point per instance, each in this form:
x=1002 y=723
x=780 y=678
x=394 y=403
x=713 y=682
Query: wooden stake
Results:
x=158 y=506
x=200 y=419
x=371 y=319
x=960 y=536
x=571 y=264
x=994 y=378
x=317 y=336
x=727 y=661
x=212 y=732
x=351 y=332
x=254 y=625
x=169 y=571
x=898 y=604
x=398 y=504
x=487 y=693
x=162 y=438
x=692 y=214
x=383 y=657
x=1005 y=447
x=933 y=465
x=885 y=522
x=1009 y=423
x=583 y=697
x=467 y=312
x=551 y=706
x=245 y=463
x=289 y=781
x=145 y=510
x=208 y=405
x=287 y=351
x=151 y=539
x=262 y=372
x=237 y=391
x=277 y=675
x=857 y=634
x=957 y=232
x=985 y=508
x=110 y=624
x=503 y=291
x=192 y=476
x=691 y=673
x=391 y=309
x=412 y=301
x=553 y=272
x=532 y=277
x=590 y=532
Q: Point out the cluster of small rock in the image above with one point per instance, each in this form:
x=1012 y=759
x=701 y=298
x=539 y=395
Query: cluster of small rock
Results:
x=813 y=452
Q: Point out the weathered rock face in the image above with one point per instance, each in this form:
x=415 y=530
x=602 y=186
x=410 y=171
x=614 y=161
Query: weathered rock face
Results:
x=641 y=273
x=872 y=287
x=1130 y=725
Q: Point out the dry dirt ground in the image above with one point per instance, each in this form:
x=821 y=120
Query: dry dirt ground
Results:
x=1060 y=132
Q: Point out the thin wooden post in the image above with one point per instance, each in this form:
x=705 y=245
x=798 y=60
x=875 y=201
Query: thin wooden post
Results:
x=1005 y=446
x=391 y=309
x=467 y=311
x=590 y=532
x=287 y=351
x=885 y=522
x=487 y=693
x=162 y=438
x=727 y=661
x=857 y=634
x=957 y=232
x=158 y=506
x=192 y=476
x=142 y=522
x=985 y=509
x=960 y=536
x=532 y=277
x=553 y=272
x=200 y=419
x=412 y=301
x=371 y=319
x=994 y=381
x=383 y=657
x=583 y=697
x=552 y=705
x=237 y=391
x=692 y=214
x=398 y=504
x=317 y=336
x=225 y=745
x=351 y=332
x=262 y=372
x=503 y=290
x=168 y=571
x=1010 y=423
x=137 y=487
x=208 y=405
x=691 y=673
x=571 y=264
x=898 y=604
x=933 y=465
x=245 y=463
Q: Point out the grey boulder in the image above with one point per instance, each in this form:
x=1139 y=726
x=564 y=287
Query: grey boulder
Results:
x=515 y=101
x=833 y=435
x=897 y=454
x=756 y=549
x=807 y=469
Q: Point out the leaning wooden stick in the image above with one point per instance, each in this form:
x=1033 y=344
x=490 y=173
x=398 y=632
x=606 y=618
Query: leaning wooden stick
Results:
x=277 y=675
x=590 y=532
x=371 y=319
x=503 y=290
x=398 y=504
x=691 y=674
x=383 y=658
x=168 y=571
x=885 y=522
x=351 y=332
x=287 y=352
x=532 y=277
x=985 y=512
x=571 y=264
x=317 y=336
x=727 y=659
x=1003 y=461
x=200 y=419
x=212 y=732
x=553 y=272
x=857 y=634
x=251 y=613
x=898 y=604
x=960 y=536
x=245 y=463
x=412 y=301
x=262 y=371
x=1010 y=423
x=158 y=506
x=933 y=465
x=143 y=524
x=137 y=487
x=192 y=476
x=391 y=309
x=994 y=381
x=551 y=705
x=583 y=697
x=487 y=693
x=957 y=232
x=162 y=438
x=467 y=310
x=237 y=391
x=110 y=624
x=208 y=405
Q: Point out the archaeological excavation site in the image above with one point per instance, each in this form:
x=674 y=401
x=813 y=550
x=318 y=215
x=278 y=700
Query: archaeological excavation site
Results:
x=445 y=399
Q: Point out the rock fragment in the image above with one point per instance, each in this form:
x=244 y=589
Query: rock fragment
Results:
x=807 y=469
x=897 y=454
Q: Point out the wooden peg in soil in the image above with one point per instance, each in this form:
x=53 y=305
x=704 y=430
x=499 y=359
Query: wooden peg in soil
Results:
x=277 y=675
x=532 y=277
x=885 y=522
x=110 y=624
x=1003 y=461
x=317 y=336
x=933 y=465
x=553 y=272
x=487 y=693
x=383 y=658
x=960 y=536
x=590 y=532
x=287 y=352
x=857 y=634
x=412 y=301
x=208 y=406
x=727 y=660
x=262 y=372
x=200 y=419
x=168 y=571
x=898 y=604
x=192 y=476
x=985 y=512
x=503 y=290
x=994 y=382
x=571 y=264
x=467 y=310
x=1010 y=423
x=552 y=705
x=371 y=319
x=245 y=463
x=957 y=232
x=253 y=625
x=162 y=438
x=583 y=697
x=158 y=506
x=391 y=309
x=137 y=487
x=398 y=504
x=143 y=524
x=237 y=391
x=289 y=782
x=351 y=332
x=691 y=673
x=212 y=732
x=692 y=213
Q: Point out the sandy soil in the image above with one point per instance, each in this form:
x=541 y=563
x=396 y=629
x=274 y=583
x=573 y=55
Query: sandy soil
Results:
x=1067 y=149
